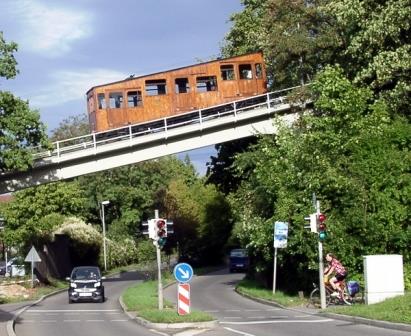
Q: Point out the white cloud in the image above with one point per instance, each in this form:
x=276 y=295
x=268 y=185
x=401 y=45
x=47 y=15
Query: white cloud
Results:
x=68 y=86
x=46 y=29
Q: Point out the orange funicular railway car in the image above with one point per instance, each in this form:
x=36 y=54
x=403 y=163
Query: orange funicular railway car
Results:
x=173 y=92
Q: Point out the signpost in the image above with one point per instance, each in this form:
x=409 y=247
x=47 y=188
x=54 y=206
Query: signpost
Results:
x=32 y=257
x=183 y=299
x=280 y=241
x=183 y=273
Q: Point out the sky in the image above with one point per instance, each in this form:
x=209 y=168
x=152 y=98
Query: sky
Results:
x=68 y=46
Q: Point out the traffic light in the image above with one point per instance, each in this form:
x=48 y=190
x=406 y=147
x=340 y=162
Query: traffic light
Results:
x=322 y=228
x=313 y=222
x=160 y=231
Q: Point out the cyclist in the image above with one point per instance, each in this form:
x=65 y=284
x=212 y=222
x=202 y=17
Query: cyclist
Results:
x=340 y=273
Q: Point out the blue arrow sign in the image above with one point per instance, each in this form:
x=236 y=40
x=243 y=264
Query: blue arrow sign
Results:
x=183 y=272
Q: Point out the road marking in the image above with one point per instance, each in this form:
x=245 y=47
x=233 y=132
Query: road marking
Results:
x=211 y=311
x=71 y=320
x=253 y=310
x=232 y=310
x=49 y=321
x=238 y=332
x=118 y=320
x=263 y=317
x=69 y=310
x=232 y=317
x=94 y=320
x=268 y=322
x=190 y=332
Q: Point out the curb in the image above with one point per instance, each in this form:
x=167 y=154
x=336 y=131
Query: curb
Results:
x=181 y=325
x=10 y=323
x=355 y=319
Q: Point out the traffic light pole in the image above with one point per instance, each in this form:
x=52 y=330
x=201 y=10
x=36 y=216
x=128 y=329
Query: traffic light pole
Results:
x=321 y=264
x=160 y=285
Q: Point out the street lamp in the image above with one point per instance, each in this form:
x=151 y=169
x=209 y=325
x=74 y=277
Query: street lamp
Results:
x=2 y=225
x=104 y=232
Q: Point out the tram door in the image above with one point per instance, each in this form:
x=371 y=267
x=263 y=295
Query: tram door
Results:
x=183 y=95
x=247 y=81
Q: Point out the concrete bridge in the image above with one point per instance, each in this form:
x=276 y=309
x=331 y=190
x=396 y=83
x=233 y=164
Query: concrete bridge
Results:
x=140 y=142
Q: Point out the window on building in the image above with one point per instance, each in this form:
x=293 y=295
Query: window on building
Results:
x=245 y=71
x=116 y=99
x=206 y=83
x=101 y=101
x=227 y=72
x=259 y=70
x=182 y=85
x=134 y=99
x=156 y=87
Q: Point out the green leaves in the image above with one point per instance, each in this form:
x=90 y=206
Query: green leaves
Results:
x=8 y=64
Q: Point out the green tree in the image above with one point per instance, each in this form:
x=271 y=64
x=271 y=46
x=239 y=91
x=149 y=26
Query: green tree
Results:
x=376 y=38
x=20 y=127
x=28 y=214
x=354 y=157
x=73 y=126
x=8 y=64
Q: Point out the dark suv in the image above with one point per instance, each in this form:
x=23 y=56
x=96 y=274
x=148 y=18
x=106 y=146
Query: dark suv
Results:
x=86 y=284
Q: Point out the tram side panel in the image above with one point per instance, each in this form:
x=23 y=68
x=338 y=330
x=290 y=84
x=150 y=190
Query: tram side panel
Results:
x=176 y=91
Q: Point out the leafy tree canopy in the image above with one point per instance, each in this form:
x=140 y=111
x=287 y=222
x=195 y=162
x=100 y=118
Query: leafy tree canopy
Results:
x=20 y=127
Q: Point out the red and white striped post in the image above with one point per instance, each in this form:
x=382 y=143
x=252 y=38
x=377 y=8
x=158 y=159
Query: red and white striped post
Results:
x=183 y=299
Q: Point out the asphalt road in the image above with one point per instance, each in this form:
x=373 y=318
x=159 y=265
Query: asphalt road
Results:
x=54 y=316
x=214 y=293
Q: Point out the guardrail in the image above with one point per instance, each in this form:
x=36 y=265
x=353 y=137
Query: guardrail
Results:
x=164 y=125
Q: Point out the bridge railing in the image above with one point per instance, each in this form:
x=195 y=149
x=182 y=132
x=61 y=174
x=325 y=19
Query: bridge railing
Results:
x=199 y=117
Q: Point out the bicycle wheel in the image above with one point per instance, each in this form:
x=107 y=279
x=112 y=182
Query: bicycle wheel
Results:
x=346 y=298
x=315 y=298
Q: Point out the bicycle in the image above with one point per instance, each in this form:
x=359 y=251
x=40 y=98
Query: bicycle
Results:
x=343 y=298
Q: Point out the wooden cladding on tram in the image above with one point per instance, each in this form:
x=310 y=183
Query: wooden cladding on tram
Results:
x=168 y=93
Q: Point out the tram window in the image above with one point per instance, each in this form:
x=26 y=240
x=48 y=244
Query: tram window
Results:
x=182 y=85
x=206 y=84
x=116 y=99
x=259 y=70
x=227 y=72
x=134 y=99
x=156 y=87
x=245 y=71
x=101 y=101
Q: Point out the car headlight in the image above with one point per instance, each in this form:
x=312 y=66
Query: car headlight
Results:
x=97 y=284
x=73 y=285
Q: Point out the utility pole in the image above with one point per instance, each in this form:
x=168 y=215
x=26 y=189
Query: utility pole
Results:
x=321 y=263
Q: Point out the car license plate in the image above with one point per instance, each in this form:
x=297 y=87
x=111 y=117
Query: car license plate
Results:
x=85 y=294
x=240 y=265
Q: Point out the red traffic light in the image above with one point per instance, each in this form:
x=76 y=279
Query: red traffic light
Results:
x=321 y=217
x=160 y=223
x=161 y=228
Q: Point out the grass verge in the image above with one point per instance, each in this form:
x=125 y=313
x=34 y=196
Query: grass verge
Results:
x=397 y=309
x=251 y=288
x=142 y=298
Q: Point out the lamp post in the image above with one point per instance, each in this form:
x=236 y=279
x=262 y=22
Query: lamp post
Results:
x=104 y=232
x=2 y=223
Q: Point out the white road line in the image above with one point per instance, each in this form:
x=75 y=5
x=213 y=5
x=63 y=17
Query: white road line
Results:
x=118 y=320
x=272 y=322
x=94 y=320
x=49 y=321
x=238 y=332
x=71 y=320
x=253 y=310
x=232 y=310
x=69 y=310
x=211 y=311
x=263 y=317
x=232 y=317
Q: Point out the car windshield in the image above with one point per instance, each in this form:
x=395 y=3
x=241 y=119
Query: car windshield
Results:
x=238 y=253
x=85 y=274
